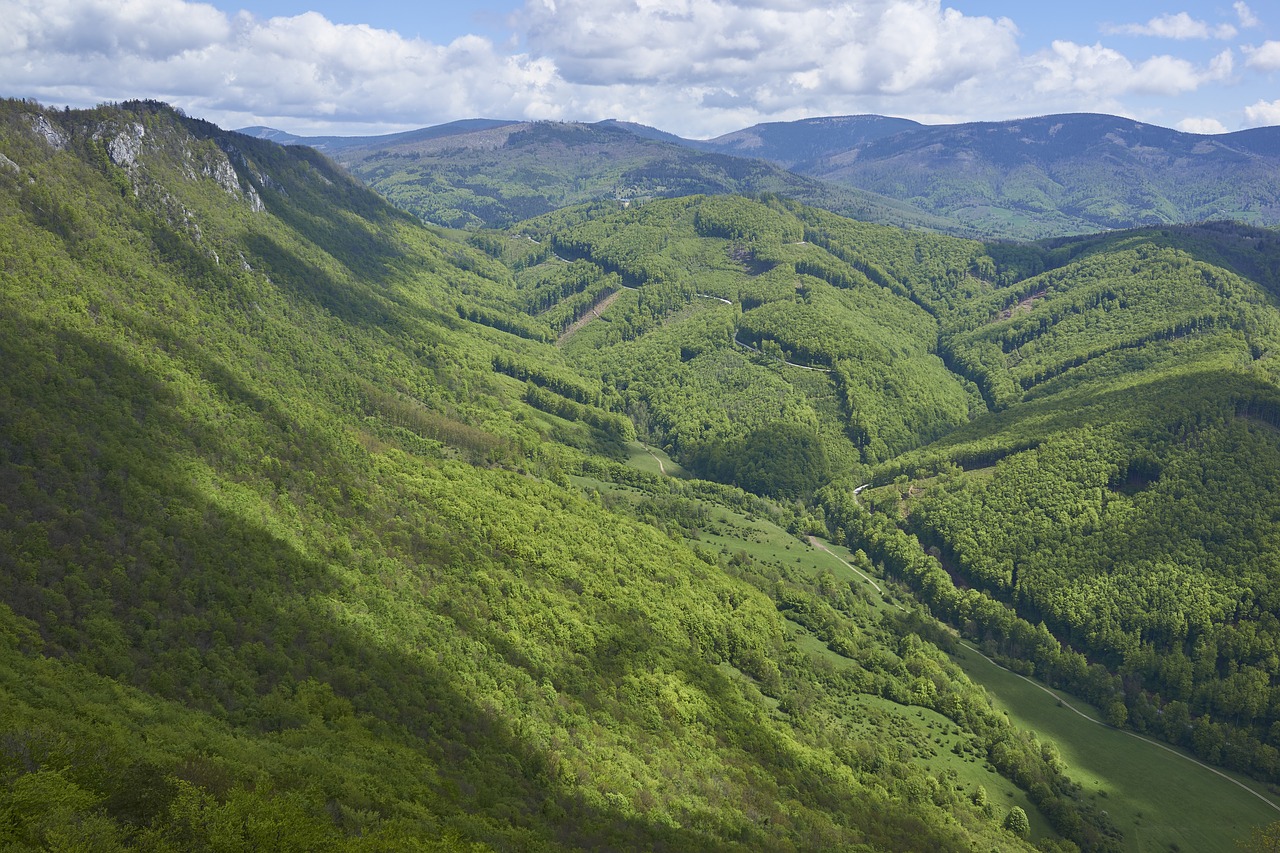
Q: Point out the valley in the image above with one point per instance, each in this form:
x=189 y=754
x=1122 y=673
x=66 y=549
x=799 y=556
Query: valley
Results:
x=729 y=514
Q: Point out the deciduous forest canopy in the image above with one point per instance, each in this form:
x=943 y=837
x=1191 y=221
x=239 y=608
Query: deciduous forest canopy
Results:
x=323 y=528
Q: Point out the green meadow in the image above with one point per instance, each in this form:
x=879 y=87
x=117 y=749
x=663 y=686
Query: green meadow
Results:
x=1161 y=798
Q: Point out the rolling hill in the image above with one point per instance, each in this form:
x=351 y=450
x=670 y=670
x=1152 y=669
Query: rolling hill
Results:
x=1036 y=177
x=493 y=174
x=1028 y=179
x=1053 y=437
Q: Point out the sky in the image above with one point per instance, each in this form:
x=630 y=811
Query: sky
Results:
x=698 y=68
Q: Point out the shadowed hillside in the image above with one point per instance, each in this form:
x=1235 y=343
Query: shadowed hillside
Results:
x=311 y=539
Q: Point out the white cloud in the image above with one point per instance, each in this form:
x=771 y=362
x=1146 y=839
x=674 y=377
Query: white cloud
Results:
x=244 y=68
x=706 y=61
x=1263 y=113
x=696 y=67
x=1265 y=57
x=1201 y=125
x=1179 y=26
x=99 y=28
x=747 y=47
x=1102 y=71
x=1245 y=14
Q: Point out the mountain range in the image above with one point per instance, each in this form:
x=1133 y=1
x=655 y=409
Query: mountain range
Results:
x=1025 y=179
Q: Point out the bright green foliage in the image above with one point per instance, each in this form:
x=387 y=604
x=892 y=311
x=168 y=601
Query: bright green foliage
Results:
x=834 y=350
x=286 y=562
x=1017 y=823
x=1122 y=501
x=1102 y=357
x=315 y=527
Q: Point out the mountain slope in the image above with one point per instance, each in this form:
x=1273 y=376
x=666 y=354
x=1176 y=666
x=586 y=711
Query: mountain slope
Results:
x=1062 y=426
x=311 y=542
x=1119 y=497
x=1050 y=175
x=800 y=145
x=499 y=173
x=1025 y=179
x=333 y=144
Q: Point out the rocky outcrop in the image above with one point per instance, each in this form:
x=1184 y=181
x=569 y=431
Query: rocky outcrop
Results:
x=124 y=148
x=50 y=133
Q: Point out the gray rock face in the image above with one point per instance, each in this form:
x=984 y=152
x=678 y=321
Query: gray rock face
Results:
x=124 y=149
x=6 y=163
x=223 y=174
x=221 y=171
x=51 y=135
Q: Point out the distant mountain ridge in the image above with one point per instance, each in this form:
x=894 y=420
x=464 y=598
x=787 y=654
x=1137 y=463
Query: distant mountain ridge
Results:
x=1030 y=178
x=1058 y=174
x=330 y=144
x=488 y=173
x=793 y=144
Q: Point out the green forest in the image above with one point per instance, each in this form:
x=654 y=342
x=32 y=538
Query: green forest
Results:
x=652 y=524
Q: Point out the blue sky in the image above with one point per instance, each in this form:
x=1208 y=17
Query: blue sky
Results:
x=694 y=67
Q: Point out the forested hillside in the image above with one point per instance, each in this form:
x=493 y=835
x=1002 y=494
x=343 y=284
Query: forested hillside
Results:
x=1077 y=441
x=324 y=529
x=492 y=174
x=309 y=539
x=1035 y=177
x=1025 y=179
x=1123 y=493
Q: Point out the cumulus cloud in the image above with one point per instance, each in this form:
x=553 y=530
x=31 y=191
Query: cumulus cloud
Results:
x=1102 y=71
x=1263 y=113
x=637 y=59
x=697 y=67
x=1265 y=57
x=1201 y=125
x=1180 y=26
x=745 y=47
x=1245 y=14
x=304 y=66
x=146 y=29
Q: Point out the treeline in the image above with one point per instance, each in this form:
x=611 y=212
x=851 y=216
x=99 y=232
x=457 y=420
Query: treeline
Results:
x=741 y=219
x=615 y=425
x=562 y=382
x=901 y=660
x=555 y=283
x=780 y=460
x=569 y=311
x=504 y=322
x=1145 y=557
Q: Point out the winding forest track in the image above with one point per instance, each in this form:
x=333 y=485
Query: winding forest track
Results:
x=784 y=361
x=661 y=468
x=821 y=546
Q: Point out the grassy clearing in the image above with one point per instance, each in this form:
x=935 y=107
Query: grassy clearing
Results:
x=1160 y=800
x=653 y=460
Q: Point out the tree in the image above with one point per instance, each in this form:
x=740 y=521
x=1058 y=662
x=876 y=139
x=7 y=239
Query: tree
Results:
x=1017 y=823
x=782 y=460
x=1265 y=839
